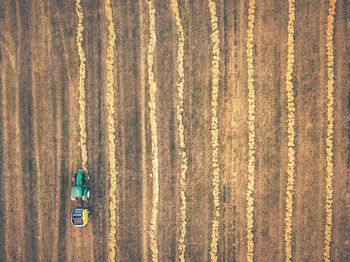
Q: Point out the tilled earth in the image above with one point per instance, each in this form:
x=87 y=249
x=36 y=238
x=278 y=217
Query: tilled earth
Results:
x=40 y=133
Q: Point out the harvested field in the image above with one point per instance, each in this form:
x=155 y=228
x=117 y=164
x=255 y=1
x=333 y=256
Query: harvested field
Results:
x=211 y=130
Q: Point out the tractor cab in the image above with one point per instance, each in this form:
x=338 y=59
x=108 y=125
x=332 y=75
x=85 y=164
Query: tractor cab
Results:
x=80 y=186
x=80 y=216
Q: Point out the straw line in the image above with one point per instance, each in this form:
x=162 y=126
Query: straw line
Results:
x=329 y=139
x=113 y=234
x=152 y=107
x=214 y=127
x=251 y=133
x=179 y=113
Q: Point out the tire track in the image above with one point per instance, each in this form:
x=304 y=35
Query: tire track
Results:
x=291 y=133
x=329 y=139
x=2 y=174
x=41 y=33
x=251 y=135
x=54 y=50
x=13 y=186
x=82 y=72
x=61 y=43
x=113 y=236
x=179 y=113
x=36 y=163
x=228 y=110
x=25 y=92
x=214 y=128
x=2 y=186
x=308 y=224
x=6 y=47
x=232 y=249
x=5 y=167
x=93 y=10
x=153 y=120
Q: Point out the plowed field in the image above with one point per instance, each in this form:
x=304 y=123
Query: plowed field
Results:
x=211 y=130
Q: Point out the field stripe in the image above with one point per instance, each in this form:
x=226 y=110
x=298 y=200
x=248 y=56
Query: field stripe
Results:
x=82 y=120
x=37 y=168
x=36 y=62
x=329 y=139
x=8 y=52
x=82 y=102
x=179 y=112
x=143 y=139
x=113 y=190
x=251 y=133
x=12 y=169
x=5 y=44
x=291 y=133
x=6 y=169
x=214 y=128
x=152 y=107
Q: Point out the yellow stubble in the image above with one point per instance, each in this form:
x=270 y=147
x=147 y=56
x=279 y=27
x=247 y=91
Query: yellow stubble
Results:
x=214 y=128
x=152 y=106
x=113 y=234
x=82 y=70
x=329 y=138
x=291 y=133
x=179 y=113
x=251 y=134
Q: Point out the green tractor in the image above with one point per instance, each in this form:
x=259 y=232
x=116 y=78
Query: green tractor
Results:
x=80 y=186
x=80 y=191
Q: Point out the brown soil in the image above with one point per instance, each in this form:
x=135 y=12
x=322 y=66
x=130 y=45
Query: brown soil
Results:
x=39 y=130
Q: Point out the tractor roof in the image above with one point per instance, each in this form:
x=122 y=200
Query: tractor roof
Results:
x=76 y=192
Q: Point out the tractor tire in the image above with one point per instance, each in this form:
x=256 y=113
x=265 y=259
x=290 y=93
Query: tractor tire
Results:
x=86 y=179
x=74 y=177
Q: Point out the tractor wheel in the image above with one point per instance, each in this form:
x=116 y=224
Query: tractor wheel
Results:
x=86 y=179
x=74 y=177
